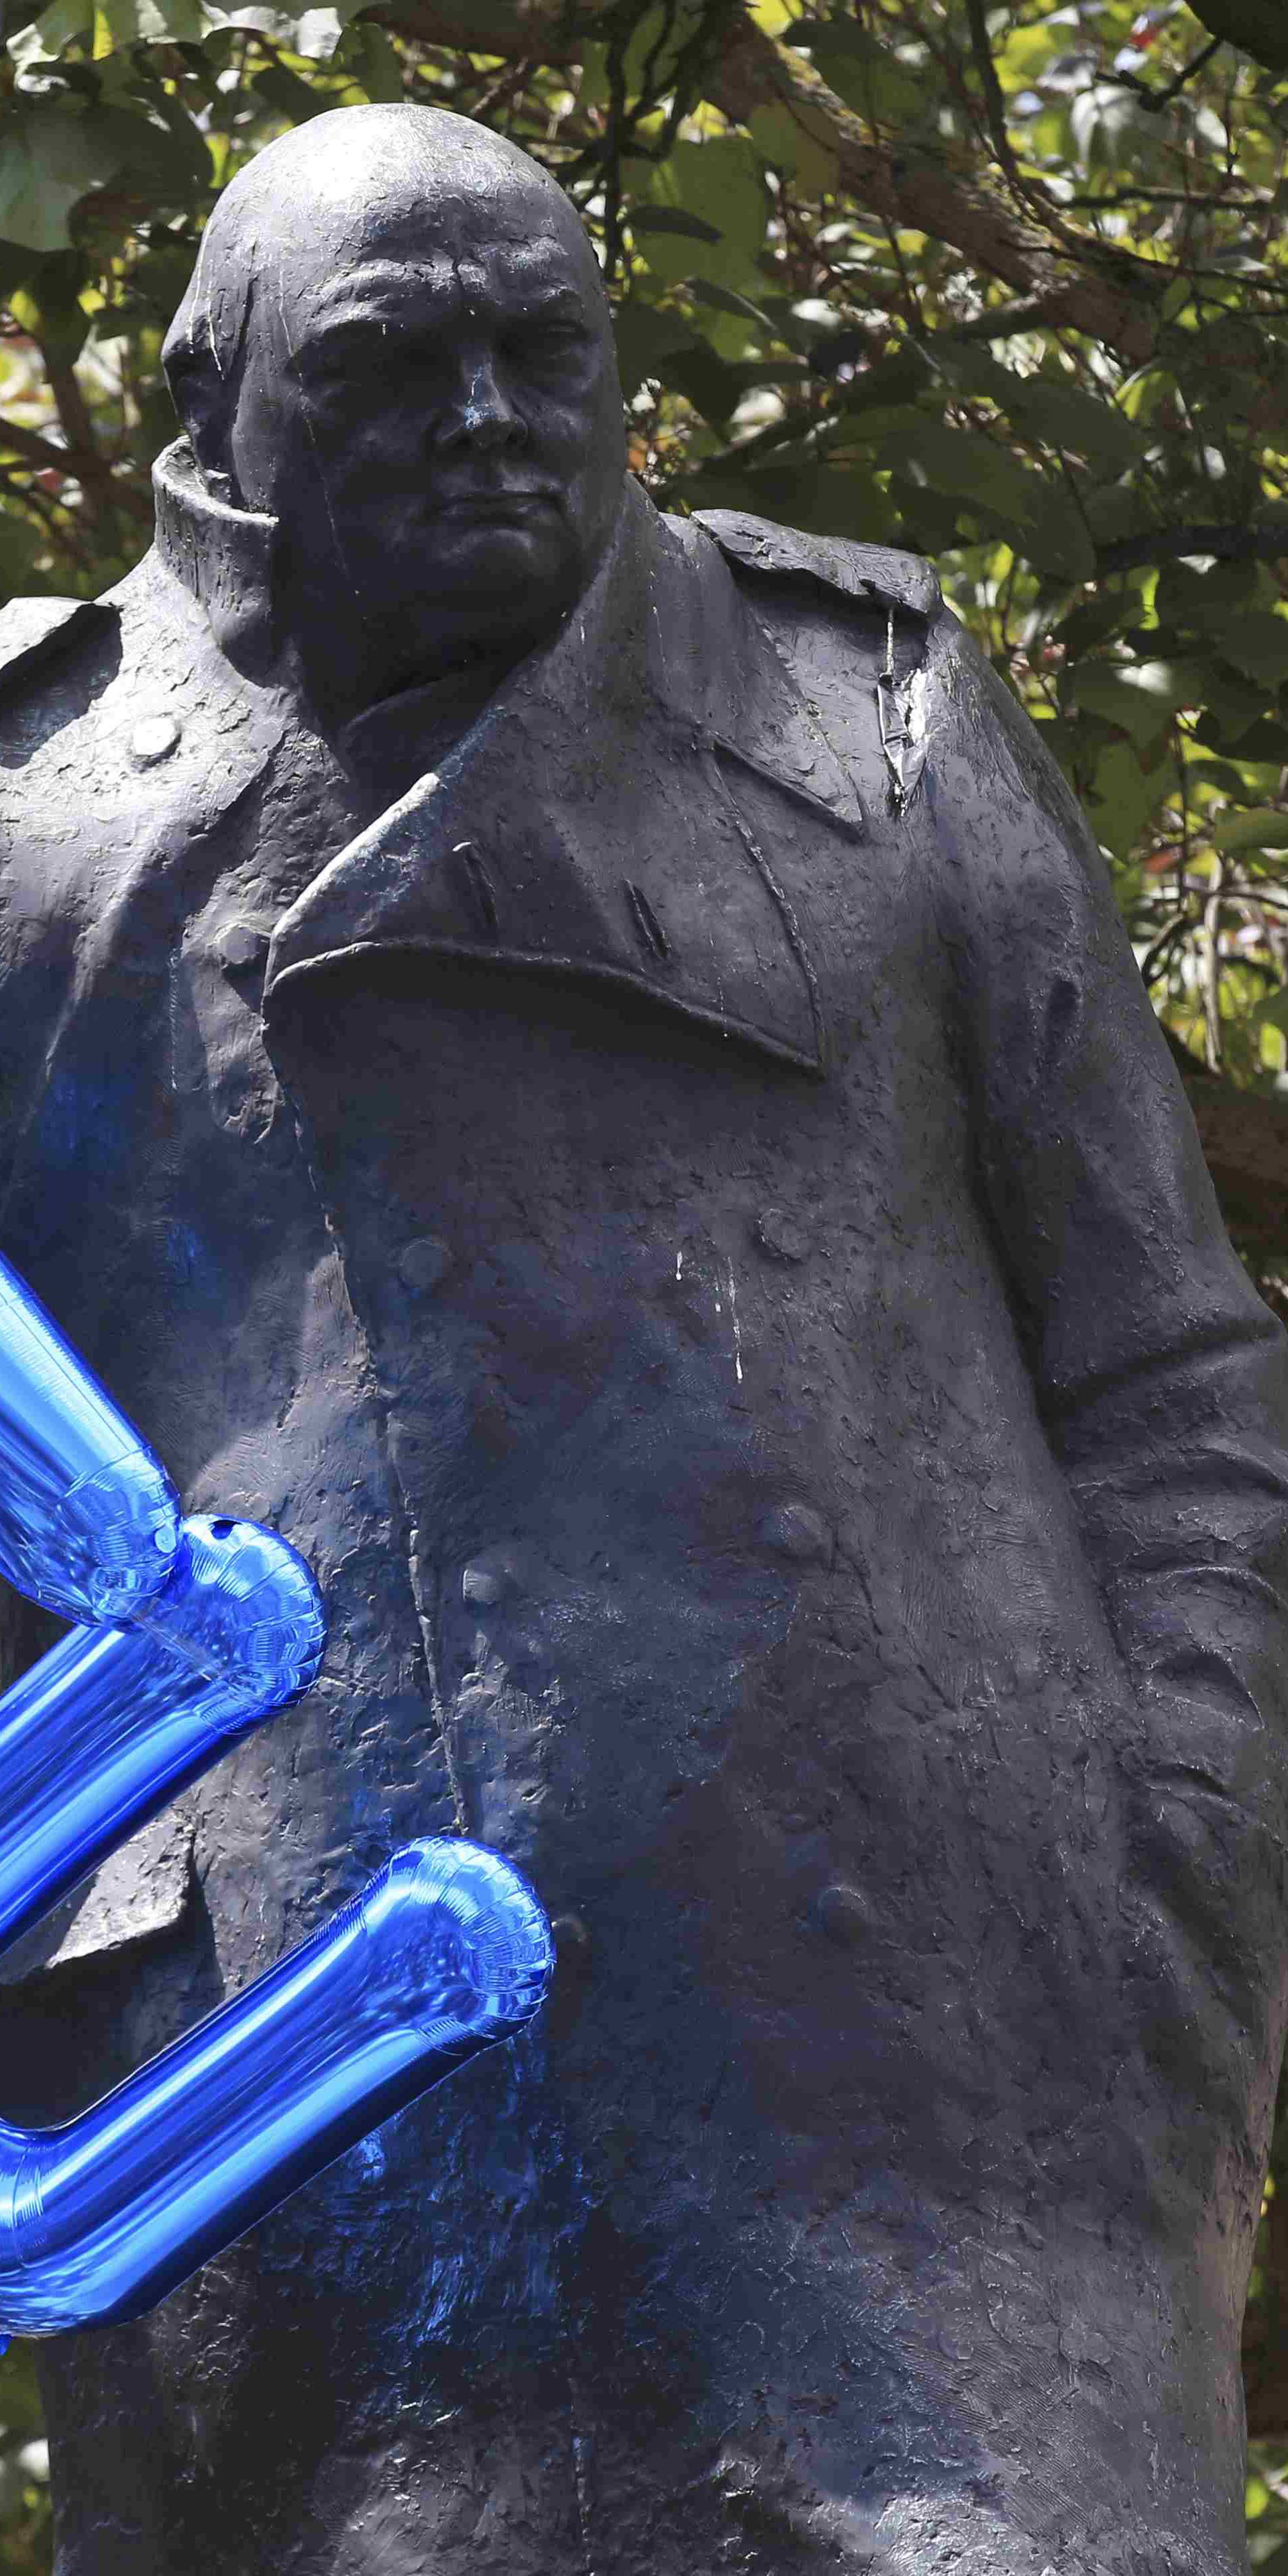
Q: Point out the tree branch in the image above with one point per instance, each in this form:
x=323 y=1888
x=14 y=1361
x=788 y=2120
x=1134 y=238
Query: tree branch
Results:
x=1081 y=286
x=1111 y=298
x=1158 y=99
x=1244 y=1135
x=1034 y=197
x=1265 y=542
x=90 y=471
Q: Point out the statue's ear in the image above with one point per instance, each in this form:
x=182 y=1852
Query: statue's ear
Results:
x=199 y=393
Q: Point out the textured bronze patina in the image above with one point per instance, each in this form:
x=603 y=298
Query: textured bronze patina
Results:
x=614 y=1033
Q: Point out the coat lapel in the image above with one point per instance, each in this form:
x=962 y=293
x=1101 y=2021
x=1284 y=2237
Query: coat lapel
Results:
x=590 y=822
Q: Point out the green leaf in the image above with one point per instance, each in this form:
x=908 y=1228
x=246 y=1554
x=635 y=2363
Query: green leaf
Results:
x=1140 y=697
x=49 y=307
x=1061 y=415
x=719 y=187
x=367 y=54
x=1074 y=422
x=1251 y=832
x=163 y=162
x=829 y=500
x=656 y=42
x=21 y=2410
x=1091 y=623
x=58 y=26
x=902 y=421
x=1261 y=739
x=17 y=267
x=1125 y=795
x=673 y=219
x=704 y=380
x=153 y=22
x=1274 y=1014
x=646 y=339
x=51 y=157
x=1236 y=706
x=980 y=471
x=891 y=380
x=1208 y=601
x=290 y=97
x=1257 y=643
x=730 y=324
x=867 y=75
x=723 y=300
x=1255 y=25
x=783 y=135
x=21 y=543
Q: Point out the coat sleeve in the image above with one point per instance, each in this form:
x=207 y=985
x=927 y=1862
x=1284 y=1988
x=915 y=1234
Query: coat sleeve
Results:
x=1162 y=1377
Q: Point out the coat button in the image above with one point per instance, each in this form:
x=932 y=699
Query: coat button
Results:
x=241 y=946
x=423 y=1263
x=152 y=740
x=781 y=1235
x=484 y=1584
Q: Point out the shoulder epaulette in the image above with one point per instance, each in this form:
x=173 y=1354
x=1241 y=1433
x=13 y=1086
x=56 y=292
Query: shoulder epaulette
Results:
x=36 y=631
x=880 y=574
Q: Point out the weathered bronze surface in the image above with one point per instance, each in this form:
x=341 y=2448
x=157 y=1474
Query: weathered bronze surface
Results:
x=614 y=1035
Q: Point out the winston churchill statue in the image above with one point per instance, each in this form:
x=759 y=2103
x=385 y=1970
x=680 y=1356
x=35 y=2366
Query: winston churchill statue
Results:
x=582 y=1065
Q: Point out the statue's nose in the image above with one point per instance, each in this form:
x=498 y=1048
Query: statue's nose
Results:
x=481 y=415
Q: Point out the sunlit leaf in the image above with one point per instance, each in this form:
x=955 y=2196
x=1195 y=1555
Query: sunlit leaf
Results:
x=719 y=188
x=153 y=22
x=48 y=35
x=1140 y=697
x=1251 y=832
x=785 y=139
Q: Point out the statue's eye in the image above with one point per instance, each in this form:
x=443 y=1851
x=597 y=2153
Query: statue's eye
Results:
x=546 y=339
x=334 y=367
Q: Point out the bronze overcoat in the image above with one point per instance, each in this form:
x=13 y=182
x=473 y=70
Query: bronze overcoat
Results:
x=699 y=1240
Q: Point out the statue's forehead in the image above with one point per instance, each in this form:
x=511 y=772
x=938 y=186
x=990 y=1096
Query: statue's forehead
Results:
x=539 y=270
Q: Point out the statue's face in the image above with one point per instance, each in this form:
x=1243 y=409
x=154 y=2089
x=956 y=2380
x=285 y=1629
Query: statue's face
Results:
x=431 y=410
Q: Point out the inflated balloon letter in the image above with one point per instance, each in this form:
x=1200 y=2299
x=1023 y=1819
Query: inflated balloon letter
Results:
x=193 y=1632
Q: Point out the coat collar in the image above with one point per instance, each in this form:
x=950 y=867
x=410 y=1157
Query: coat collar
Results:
x=593 y=820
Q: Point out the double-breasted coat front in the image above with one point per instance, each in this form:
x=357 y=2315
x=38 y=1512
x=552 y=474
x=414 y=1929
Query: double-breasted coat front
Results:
x=673 y=1199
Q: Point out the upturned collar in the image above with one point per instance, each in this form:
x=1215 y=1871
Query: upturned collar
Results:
x=593 y=821
x=223 y=557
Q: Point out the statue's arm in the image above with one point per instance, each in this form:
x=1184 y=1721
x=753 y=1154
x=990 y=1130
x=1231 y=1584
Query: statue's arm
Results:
x=1162 y=1377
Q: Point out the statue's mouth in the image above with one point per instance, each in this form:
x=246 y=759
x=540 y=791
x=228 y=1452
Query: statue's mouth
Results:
x=501 y=508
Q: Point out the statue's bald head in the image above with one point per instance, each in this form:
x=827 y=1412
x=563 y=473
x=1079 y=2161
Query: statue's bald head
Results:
x=396 y=337
x=403 y=178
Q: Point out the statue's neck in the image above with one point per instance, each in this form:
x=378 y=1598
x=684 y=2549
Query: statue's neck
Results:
x=388 y=746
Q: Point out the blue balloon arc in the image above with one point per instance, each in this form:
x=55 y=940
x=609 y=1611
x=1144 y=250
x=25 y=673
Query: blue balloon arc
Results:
x=190 y=1632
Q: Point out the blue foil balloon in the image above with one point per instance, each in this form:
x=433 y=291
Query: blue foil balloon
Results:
x=447 y=1952
x=113 y=1721
x=190 y=1634
x=89 y=1522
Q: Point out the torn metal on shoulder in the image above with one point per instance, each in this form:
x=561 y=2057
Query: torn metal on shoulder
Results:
x=904 y=754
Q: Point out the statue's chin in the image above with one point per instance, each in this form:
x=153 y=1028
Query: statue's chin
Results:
x=515 y=562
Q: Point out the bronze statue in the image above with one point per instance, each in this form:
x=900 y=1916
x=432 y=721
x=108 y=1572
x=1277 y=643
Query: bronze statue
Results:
x=584 y=1066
